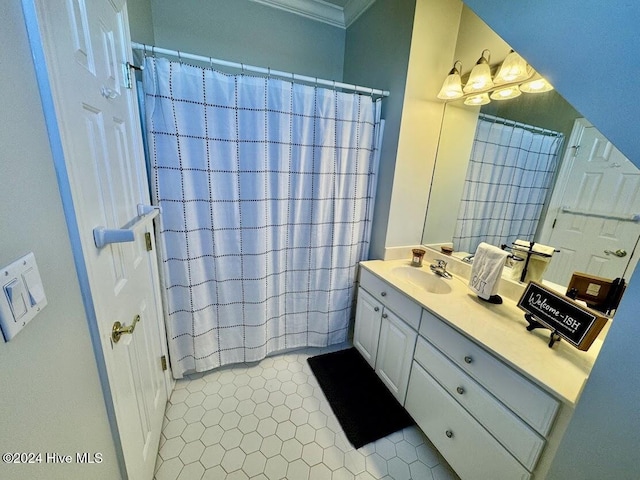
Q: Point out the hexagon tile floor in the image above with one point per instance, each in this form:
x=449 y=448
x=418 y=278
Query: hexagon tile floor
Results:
x=270 y=420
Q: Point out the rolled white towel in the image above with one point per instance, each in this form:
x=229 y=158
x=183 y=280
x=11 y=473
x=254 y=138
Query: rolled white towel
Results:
x=537 y=264
x=537 y=247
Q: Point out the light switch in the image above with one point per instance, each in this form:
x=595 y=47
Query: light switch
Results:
x=33 y=285
x=22 y=296
x=14 y=291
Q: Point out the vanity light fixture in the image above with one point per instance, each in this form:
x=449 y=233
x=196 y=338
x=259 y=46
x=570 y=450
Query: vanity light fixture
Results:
x=452 y=86
x=513 y=77
x=480 y=77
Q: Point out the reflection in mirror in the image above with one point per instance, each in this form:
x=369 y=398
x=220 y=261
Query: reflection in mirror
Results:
x=509 y=172
x=586 y=199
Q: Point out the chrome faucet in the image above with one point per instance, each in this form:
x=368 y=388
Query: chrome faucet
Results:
x=440 y=268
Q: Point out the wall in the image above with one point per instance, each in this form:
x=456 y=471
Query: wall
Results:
x=386 y=48
x=141 y=21
x=377 y=54
x=546 y=110
x=435 y=30
x=248 y=32
x=603 y=436
x=50 y=396
x=454 y=151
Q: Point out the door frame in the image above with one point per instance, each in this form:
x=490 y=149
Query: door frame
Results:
x=560 y=185
x=64 y=187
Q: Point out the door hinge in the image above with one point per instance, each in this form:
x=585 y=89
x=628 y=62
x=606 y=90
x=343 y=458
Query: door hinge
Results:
x=126 y=70
x=126 y=73
x=147 y=241
x=575 y=150
x=163 y=362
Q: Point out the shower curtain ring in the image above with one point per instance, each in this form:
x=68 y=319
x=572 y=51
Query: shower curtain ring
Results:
x=211 y=63
x=179 y=57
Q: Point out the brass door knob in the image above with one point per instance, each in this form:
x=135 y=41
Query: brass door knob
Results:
x=118 y=329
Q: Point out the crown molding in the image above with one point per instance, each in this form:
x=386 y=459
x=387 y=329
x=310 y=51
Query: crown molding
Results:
x=322 y=11
x=353 y=9
x=314 y=9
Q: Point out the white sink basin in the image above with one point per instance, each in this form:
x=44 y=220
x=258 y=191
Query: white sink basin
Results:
x=424 y=279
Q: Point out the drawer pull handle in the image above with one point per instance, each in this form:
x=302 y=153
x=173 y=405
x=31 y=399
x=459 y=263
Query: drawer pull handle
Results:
x=468 y=359
x=460 y=390
x=384 y=294
x=376 y=309
x=384 y=315
x=449 y=434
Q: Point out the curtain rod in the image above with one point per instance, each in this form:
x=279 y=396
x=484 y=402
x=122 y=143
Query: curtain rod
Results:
x=260 y=70
x=513 y=123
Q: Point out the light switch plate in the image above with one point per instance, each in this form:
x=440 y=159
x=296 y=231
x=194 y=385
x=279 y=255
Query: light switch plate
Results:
x=22 y=295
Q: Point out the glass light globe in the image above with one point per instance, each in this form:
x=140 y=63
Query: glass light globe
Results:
x=506 y=93
x=477 y=100
x=513 y=69
x=538 y=85
x=452 y=86
x=480 y=77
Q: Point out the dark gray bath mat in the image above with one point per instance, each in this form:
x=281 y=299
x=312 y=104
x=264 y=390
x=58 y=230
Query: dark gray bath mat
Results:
x=363 y=405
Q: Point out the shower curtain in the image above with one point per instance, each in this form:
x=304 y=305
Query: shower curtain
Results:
x=266 y=189
x=511 y=168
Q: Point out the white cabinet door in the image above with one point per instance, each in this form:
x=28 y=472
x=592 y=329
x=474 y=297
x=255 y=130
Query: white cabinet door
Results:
x=395 y=352
x=367 y=328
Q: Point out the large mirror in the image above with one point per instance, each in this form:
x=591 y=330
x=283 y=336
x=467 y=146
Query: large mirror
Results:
x=588 y=208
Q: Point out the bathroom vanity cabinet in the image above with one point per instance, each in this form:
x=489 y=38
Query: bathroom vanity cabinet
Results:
x=492 y=397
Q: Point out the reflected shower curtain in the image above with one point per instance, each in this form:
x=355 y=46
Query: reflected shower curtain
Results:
x=266 y=189
x=511 y=168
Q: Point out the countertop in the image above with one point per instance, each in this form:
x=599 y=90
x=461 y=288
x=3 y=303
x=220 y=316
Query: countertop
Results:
x=501 y=329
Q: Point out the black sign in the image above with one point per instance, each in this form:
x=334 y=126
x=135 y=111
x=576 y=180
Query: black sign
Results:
x=562 y=315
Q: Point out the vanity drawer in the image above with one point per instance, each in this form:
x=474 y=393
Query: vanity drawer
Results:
x=528 y=401
x=398 y=303
x=463 y=442
x=515 y=435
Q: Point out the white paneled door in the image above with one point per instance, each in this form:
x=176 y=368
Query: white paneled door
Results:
x=85 y=46
x=596 y=205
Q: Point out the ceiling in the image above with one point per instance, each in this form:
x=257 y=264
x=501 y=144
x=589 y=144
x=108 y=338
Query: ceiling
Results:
x=339 y=13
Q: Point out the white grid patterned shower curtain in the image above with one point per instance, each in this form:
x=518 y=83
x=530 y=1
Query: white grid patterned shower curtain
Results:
x=266 y=189
x=509 y=174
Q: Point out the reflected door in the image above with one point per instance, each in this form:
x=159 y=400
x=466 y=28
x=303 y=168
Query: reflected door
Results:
x=594 y=228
